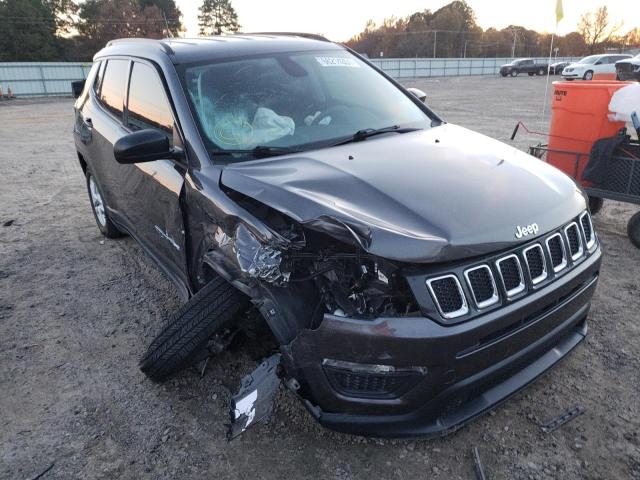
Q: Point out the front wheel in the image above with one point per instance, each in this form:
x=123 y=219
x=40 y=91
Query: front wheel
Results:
x=514 y=73
x=504 y=74
x=633 y=229
x=588 y=75
x=99 y=207
x=530 y=74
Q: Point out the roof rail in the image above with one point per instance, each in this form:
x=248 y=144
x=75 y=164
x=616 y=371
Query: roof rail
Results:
x=159 y=43
x=312 y=36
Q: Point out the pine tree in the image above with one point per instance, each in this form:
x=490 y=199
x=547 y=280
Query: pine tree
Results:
x=217 y=17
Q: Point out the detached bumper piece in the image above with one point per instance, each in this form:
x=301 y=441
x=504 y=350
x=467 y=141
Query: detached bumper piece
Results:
x=254 y=402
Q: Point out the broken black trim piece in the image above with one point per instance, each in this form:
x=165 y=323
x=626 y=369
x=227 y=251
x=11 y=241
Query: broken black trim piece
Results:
x=254 y=402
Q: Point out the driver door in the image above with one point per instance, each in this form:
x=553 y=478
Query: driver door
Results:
x=150 y=191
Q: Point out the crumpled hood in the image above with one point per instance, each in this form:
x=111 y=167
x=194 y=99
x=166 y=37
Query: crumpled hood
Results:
x=426 y=196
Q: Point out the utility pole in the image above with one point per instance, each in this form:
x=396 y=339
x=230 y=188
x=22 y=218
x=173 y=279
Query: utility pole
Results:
x=464 y=55
x=513 y=48
x=435 y=42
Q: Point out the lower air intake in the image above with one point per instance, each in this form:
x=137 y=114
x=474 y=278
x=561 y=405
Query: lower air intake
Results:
x=353 y=380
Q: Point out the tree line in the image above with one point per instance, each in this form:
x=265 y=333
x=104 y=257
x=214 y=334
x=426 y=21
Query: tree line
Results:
x=72 y=30
x=65 y=30
x=452 y=31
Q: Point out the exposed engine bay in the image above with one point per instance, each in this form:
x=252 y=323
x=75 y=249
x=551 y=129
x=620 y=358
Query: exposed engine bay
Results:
x=349 y=281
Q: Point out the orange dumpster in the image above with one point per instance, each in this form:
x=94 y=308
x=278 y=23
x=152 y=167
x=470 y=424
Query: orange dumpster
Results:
x=579 y=117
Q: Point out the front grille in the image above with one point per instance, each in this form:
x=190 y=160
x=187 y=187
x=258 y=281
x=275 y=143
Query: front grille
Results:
x=483 y=287
x=574 y=241
x=587 y=230
x=555 y=247
x=511 y=275
x=534 y=257
x=447 y=292
x=523 y=268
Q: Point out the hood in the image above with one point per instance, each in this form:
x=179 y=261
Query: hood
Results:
x=425 y=196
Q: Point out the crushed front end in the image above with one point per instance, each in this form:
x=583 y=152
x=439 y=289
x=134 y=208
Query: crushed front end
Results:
x=418 y=350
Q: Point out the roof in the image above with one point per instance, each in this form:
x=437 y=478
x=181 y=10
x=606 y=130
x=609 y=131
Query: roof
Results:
x=188 y=50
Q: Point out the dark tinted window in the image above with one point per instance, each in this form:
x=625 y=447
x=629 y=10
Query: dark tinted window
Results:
x=148 y=104
x=113 y=85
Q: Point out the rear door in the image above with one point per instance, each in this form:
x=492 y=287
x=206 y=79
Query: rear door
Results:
x=104 y=117
x=150 y=192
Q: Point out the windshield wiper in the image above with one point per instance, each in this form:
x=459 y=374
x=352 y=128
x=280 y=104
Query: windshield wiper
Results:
x=370 y=132
x=260 y=151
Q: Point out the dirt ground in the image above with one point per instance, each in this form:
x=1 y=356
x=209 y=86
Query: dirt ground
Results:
x=78 y=310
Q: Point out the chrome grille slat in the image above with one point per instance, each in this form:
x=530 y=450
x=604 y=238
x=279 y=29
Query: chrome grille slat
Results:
x=505 y=267
x=529 y=258
x=482 y=301
x=447 y=310
x=555 y=246
x=574 y=240
x=587 y=229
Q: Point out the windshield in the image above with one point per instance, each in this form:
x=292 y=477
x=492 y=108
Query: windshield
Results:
x=590 y=59
x=294 y=100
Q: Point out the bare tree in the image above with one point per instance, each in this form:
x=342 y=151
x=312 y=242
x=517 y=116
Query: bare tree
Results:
x=596 y=28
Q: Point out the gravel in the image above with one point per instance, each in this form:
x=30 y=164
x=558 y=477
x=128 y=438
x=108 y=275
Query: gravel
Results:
x=77 y=311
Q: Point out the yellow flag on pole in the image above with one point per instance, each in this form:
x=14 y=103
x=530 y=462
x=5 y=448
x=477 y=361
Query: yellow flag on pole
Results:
x=559 y=11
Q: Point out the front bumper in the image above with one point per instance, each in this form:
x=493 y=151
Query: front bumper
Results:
x=469 y=367
x=571 y=75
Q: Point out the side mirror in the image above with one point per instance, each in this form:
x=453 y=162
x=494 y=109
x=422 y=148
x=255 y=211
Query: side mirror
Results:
x=77 y=87
x=419 y=94
x=143 y=146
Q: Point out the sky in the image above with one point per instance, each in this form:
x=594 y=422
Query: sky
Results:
x=341 y=19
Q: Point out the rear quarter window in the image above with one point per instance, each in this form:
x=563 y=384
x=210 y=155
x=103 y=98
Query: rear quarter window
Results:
x=113 y=86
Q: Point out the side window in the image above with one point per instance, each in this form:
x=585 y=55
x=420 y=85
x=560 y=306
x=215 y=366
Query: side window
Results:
x=113 y=85
x=148 y=105
x=98 y=80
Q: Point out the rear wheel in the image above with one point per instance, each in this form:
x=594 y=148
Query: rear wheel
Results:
x=595 y=204
x=184 y=337
x=99 y=207
x=633 y=230
x=530 y=74
x=541 y=71
x=588 y=75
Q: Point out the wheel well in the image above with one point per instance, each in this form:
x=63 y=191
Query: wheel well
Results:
x=83 y=163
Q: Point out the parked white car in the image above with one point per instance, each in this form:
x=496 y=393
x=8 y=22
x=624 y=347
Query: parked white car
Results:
x=588 y=66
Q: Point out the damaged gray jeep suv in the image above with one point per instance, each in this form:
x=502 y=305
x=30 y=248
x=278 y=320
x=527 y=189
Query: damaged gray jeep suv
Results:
x=414 y=274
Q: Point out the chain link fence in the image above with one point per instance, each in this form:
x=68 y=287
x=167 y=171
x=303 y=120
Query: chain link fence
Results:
x=33 y=79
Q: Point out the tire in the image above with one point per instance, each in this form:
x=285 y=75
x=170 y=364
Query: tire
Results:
x=595 y=205
x=530 y=74
x=184 y=336
x=588 y=75
x=503 y=74
x=633 y=230
x=99 y=208
x=541 y=71
x=513 y=73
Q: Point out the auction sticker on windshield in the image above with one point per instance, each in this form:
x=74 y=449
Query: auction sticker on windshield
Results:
x=337 y=62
